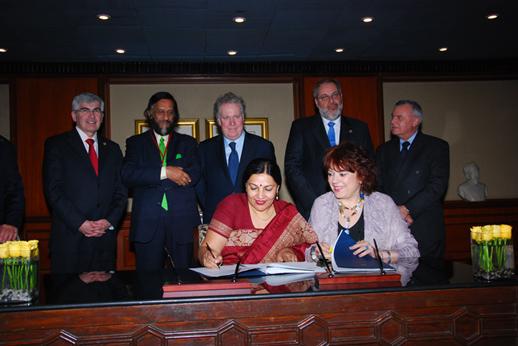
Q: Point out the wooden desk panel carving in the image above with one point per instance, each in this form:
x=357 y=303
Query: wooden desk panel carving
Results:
x=463 y=316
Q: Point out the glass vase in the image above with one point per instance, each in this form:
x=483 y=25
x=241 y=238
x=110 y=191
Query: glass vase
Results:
x=18 y=279
x=492 y=253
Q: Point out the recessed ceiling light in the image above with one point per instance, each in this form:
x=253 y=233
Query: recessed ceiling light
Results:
x=367 y=19
x=120 y=51
x=339 y=50
x=443 y=49
x=492 y=16
x=3 y=50
x=232 y=52
x=103 y=16
x=239 y=19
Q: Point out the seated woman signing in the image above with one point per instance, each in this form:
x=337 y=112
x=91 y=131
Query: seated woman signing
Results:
x=256 y=227
x=354 y=207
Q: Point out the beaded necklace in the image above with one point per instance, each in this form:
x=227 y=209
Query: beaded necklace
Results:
x=355 y=209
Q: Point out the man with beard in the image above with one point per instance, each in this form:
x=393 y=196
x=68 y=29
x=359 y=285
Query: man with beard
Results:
x=161 y=168
x=84 y=191
x=311 y=136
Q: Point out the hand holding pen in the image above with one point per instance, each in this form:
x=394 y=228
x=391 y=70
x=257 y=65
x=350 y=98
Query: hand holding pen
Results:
x=211 y=261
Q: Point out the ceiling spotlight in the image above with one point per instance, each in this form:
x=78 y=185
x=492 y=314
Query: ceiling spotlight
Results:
x=443 y=49
x=232 y=52
x=492 y=16
x=239 y=19
x=367 y=19
x=3 y=50
x=103 y=16
x=120 y=51
x=339 y=50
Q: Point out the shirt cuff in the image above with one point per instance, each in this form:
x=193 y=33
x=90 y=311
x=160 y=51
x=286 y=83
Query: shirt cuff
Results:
x=163 y=173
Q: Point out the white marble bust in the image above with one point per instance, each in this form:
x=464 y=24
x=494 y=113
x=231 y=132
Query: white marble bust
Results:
x=472 y=190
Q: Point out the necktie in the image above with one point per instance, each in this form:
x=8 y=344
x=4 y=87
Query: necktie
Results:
x=404 y=150
x=331 y=133
x=93 y=155
x=233 y=162
x=163 y=153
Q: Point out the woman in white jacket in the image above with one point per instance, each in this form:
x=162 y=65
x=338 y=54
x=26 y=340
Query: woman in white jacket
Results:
x=352 y=206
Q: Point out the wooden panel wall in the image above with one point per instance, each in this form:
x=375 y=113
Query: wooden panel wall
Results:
x=362 y=100
x=41 y=108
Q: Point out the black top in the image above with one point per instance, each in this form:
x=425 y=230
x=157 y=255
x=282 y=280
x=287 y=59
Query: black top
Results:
x=357 y=230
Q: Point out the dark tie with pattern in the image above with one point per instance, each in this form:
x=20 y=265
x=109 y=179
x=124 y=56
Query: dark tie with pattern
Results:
x=233 y=162
x=93 y=155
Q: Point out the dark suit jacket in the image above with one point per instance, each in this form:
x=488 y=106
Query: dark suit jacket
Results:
x=12 y=202
x=420 y=184
x=216 y=183
x=75 y=194
x=305 y=150
x=141 y=173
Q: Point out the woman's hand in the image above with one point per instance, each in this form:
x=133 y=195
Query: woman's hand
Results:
x=210 y=261
x=286 y=255
x=363 y=248
x=327 y=250
x=209 y=253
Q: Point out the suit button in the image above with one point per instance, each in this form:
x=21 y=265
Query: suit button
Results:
x=98 y=205
x=409 y=192
x=417 y=172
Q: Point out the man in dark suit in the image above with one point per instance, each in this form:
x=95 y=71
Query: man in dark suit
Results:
x=221 y=175
x=12 y=202
x=162 y=167
x=414 y=169
x=81 y=176
x=311 y=136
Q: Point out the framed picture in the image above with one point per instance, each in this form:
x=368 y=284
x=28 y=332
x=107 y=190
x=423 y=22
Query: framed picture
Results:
x=189 y=127
x=256 y=126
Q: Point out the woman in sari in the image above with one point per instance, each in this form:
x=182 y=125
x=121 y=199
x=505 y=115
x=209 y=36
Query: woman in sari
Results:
x=256 y=227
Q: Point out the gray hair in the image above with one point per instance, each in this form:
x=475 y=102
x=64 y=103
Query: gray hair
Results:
x=229 y=97
x=416 y=107
x=86 y=98
x=317 y=86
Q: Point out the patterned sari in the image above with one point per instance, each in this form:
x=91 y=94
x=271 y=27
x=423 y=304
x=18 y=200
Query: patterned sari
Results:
x=288 y=229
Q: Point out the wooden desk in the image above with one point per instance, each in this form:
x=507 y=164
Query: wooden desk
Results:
x=458 y=312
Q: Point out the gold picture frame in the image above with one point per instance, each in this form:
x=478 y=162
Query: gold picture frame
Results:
x=188 y=126
x=256 y=126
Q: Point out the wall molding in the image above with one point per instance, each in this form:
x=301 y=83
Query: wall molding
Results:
x=507 y=67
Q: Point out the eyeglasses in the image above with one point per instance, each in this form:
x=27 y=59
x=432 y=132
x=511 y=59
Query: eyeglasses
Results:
x=325 y=98
x=87 y=111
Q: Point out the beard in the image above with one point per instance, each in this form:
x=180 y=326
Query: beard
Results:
x=163 y=131
x=331 y=115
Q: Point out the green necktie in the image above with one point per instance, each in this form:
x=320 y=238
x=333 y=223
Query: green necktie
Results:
x=163 y=154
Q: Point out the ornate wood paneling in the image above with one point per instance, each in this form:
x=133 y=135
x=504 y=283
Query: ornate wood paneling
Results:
x=451 y=316
x=459 y=216
x=41 y=109
x=361 y=98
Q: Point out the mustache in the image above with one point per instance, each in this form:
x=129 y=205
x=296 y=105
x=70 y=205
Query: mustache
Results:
x=161 y=130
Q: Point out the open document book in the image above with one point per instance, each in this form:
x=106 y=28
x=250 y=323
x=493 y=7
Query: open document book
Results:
x=344 y=261
x=261 y=269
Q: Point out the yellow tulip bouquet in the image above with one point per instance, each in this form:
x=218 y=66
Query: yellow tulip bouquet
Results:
x=492 y=251
x=19 y=271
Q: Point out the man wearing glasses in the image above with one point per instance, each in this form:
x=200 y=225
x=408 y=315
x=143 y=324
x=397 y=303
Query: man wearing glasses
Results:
x=84 y=191
x=311 y=136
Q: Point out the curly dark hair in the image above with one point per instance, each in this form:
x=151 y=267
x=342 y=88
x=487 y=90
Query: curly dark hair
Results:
x=352 y=158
